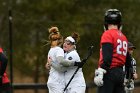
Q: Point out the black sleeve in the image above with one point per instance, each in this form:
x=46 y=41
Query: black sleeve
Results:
x=107 y=52
x=4 y=61
x=128 y=67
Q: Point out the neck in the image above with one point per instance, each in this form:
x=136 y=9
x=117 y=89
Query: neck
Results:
x=112 y=27
x=69 y=50
x=54 y=44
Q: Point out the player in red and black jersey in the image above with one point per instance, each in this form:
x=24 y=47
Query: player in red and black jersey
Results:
x=4 y=81
x=109 y=76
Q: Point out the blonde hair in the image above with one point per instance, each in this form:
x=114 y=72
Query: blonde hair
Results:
x=55 y=38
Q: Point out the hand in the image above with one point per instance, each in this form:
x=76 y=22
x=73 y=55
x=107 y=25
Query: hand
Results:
x=129 y=85
x=98 y=79
x=79 y=64
x=135 y=75
x=48 y=64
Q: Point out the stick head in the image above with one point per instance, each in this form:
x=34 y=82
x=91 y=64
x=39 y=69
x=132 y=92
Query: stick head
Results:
x=90 y=50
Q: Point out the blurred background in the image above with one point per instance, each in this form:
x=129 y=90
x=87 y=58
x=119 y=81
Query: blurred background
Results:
x=28 y=33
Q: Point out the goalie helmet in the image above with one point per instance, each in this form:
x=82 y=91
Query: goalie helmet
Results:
x=112 y=16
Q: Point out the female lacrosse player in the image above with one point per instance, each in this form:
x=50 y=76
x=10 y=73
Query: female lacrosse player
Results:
x=56 y=62
x=77 y=84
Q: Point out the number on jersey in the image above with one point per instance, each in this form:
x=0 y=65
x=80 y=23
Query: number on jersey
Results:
x=122 y=47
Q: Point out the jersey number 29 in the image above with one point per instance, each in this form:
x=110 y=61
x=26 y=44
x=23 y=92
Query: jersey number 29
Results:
x=122 y=47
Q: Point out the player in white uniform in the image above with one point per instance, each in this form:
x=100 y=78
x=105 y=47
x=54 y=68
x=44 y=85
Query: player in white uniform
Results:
x=56 y=62
x=56 y=82
x=56 y=79
x=77 y=84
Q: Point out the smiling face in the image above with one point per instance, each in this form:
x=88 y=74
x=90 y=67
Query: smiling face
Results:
x=68 y=46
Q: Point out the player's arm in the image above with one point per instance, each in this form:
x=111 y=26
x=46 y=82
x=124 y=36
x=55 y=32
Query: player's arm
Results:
x=129 y=82
x=4 y=61
x=65 y=62
x=107 y=52
x=60 y=59
x=58 y=67
x=128 y=66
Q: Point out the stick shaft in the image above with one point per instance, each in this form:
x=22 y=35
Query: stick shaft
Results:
x=71 y=79
x=88 y=55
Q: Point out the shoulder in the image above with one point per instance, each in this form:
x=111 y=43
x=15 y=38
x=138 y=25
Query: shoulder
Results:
x=110 y=32
x=107 y=37
x=133 y=59
x=124 y=36
x=57 y=49
x=73 y=55
x=74 y=52
x=107 y=34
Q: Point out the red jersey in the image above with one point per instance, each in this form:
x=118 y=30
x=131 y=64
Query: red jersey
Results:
x=4 y=77
x=119 y=42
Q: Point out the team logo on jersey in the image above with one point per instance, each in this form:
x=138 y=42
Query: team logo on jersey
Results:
x=70 y=58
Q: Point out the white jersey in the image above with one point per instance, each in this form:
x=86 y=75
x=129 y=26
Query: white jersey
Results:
x=53 y=54
x=78 y=80
x=55 y=82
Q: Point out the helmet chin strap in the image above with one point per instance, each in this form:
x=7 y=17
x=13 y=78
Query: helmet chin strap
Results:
x=105 y=28
x=120 y=28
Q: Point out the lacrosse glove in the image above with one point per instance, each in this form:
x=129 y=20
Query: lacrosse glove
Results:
x=79 y=64
x=129 y=85
x=98 y=79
